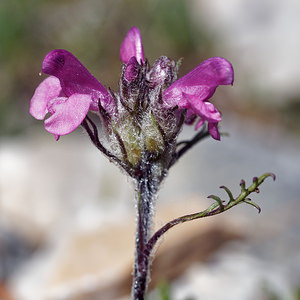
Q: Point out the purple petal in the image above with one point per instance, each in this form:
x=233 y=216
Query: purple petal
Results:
x=56 y=137
x=132 y=46
x=199 y=124
x=47 y=90
x=213 y=130
x=67 y=113
x=203 y=109
x=207 y=112
x=201 y=82
x=74 y=77
x=190 y=117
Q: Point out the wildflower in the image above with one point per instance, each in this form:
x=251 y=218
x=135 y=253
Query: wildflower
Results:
x=193 y=90
x=190 y=92
x=68 y=94
x=149 y=98
x=140 y=123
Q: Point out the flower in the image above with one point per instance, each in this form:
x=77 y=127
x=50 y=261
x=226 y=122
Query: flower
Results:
x=190 y=92
x=148 y=94
x=193 y=90
x=68 y=94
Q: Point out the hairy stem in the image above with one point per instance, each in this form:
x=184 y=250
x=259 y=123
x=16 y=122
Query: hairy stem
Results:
x=146 y=190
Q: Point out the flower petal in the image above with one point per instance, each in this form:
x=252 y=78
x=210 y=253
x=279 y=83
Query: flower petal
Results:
x=67 y=113
x=190 y=117
x=203 y=109
x=213 y=130
x=132 y=46
x=201 y=81
x=207 y=112
x=74 y=77
x=47 y=90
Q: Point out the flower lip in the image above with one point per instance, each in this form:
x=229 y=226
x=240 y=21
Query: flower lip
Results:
x=213 y=130
x=47 y=90
x=203 y=109
x=66 y=113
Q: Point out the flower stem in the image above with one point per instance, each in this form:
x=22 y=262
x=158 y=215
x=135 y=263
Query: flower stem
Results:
x=146 y=194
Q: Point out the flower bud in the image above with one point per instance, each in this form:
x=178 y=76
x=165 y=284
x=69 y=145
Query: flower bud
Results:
x=130 y=83
x=132 y=70
x=163 y=72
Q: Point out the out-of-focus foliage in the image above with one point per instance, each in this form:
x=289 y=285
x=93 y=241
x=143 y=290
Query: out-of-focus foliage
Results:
x=17 y=50
x=271 y=294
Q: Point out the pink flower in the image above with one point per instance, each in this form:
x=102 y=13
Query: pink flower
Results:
x=71 y=91
x=193 y=90
x=190 y=92
x=68 y=94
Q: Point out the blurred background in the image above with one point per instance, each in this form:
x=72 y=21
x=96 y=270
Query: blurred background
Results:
x=67 y=214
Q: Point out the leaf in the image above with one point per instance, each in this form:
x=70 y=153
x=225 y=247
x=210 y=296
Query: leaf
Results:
x=218 y=199
x=250 y=202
